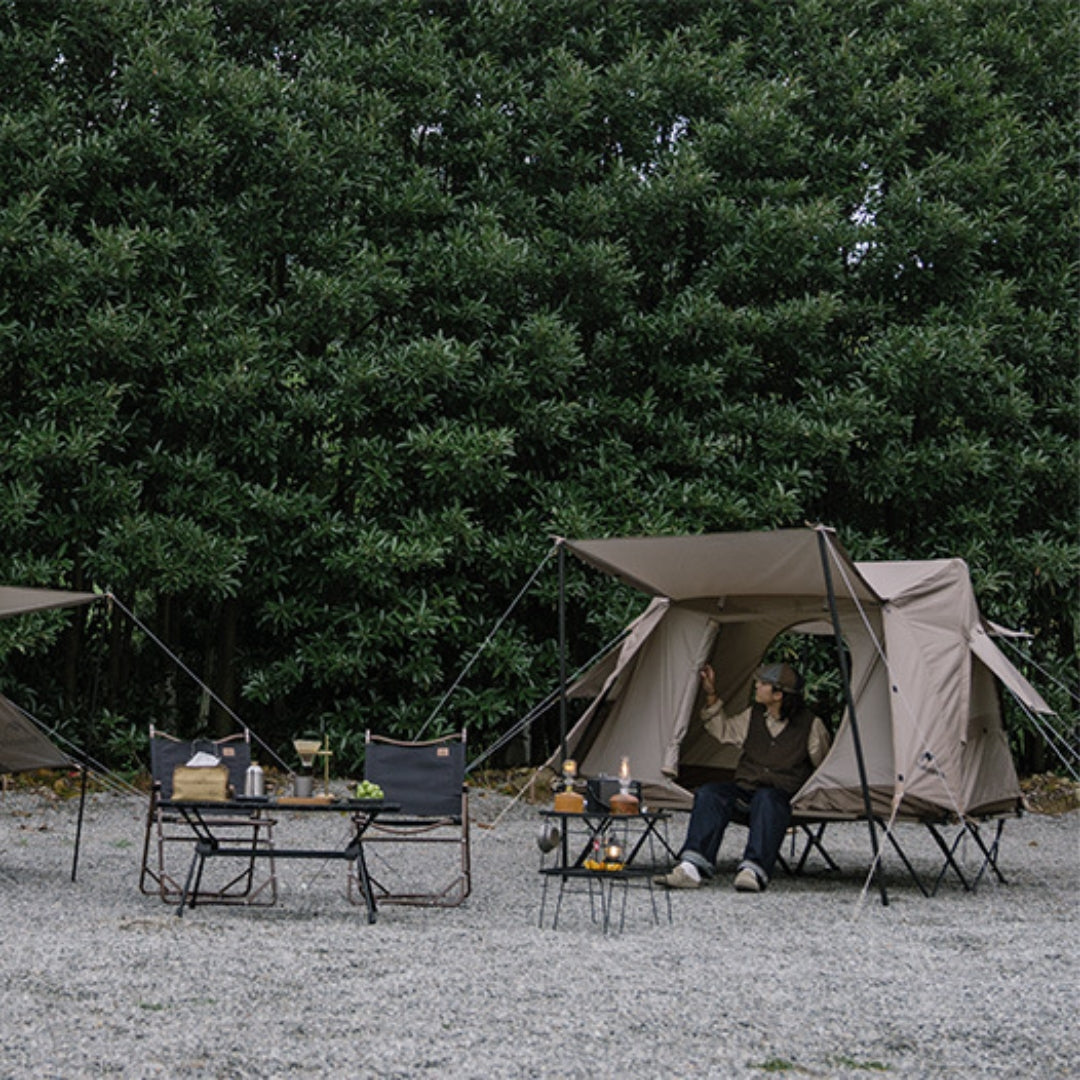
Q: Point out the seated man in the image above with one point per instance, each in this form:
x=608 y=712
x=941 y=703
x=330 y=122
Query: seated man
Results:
x=782 y=743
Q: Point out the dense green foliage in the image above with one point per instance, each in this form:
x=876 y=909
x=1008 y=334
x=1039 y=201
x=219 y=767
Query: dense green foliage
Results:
x=318 y=319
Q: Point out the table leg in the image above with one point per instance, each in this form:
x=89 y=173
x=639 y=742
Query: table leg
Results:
x=543 y=901
x=558 y=903
x=365 y=880
x=196 y=859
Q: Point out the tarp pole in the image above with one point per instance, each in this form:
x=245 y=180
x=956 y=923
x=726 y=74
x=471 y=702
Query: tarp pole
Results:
x=562 y=650
x=78 y=826
x=845 y=681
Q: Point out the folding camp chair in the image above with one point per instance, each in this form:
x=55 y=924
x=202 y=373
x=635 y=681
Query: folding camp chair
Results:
x=166 y=828
x=427 y=781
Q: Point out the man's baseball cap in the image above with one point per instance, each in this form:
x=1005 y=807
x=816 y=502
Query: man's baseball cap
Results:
x=782 y=676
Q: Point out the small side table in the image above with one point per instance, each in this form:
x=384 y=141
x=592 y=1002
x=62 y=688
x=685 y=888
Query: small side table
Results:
x=580 y=834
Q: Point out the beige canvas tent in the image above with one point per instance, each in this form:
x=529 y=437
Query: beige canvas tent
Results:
x=921 y=665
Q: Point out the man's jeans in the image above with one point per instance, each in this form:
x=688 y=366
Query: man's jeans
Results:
x=715 y=804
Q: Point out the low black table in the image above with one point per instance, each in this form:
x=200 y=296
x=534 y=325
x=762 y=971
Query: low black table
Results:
x=597 y=827
x=200 y=817
x=642 y=827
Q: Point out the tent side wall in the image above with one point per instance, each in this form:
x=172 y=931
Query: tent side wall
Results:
x=23 y=746
x=643 y=712
x=949 y=754
x=835 y=786
x=991 y=783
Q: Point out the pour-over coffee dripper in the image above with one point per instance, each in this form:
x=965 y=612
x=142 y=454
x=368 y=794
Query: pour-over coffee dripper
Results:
x=304 y=781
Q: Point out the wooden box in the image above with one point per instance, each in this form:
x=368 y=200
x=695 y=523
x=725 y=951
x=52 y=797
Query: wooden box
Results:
x=569 y=802
x=207 y=783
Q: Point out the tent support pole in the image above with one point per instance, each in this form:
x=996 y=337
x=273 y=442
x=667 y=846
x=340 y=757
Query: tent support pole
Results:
x=562 y=650
x=78 y=826
x=845 y=681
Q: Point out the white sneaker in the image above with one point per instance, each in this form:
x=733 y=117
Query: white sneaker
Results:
x=684 y=876
x=747 y=881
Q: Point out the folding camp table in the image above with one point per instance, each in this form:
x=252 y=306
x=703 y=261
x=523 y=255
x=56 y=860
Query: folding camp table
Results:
x=598 y=823
x=597 y=827
x=208 y=844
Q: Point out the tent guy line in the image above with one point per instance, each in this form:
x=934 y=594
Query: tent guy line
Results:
x=487 y=641
x=78 y=756
x=541 y=707
x=1067 y=752
x=248 y=732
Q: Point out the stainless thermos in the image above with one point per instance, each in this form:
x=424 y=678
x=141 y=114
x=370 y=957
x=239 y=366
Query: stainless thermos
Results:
x=253 y=781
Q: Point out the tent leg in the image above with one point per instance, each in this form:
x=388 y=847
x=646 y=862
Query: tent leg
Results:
x=562 y=651
x=845 y=681
x=78 y=826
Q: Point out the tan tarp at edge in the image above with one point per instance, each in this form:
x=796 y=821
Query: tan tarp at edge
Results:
x=23 y=746
x=19 y=601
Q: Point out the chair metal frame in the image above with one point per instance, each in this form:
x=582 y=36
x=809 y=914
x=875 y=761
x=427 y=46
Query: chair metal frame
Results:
x=435 y=811
x=166 y=827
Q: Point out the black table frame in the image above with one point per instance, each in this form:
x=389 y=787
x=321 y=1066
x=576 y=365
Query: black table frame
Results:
x=199 y=817
x=598 y=824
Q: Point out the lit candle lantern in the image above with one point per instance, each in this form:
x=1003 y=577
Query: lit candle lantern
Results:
x=569 y=774
x=623 y=802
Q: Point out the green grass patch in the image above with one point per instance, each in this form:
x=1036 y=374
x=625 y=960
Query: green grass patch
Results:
x=869 y=1066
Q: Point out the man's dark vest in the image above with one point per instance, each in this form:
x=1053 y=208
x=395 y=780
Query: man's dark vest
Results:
x=781 y=762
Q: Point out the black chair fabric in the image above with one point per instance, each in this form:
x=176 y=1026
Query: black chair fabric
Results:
x=166 y=754
x=426 y=781
x=423 y=779
x=166 y=831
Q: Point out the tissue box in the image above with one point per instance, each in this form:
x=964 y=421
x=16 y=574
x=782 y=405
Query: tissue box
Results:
x=206 y=783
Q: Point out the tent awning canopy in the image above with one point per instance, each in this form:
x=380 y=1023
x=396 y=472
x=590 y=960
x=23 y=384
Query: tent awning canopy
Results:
x=712 y=569
x=19 y=601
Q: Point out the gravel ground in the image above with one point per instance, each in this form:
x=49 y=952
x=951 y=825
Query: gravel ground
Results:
x=812 y=978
